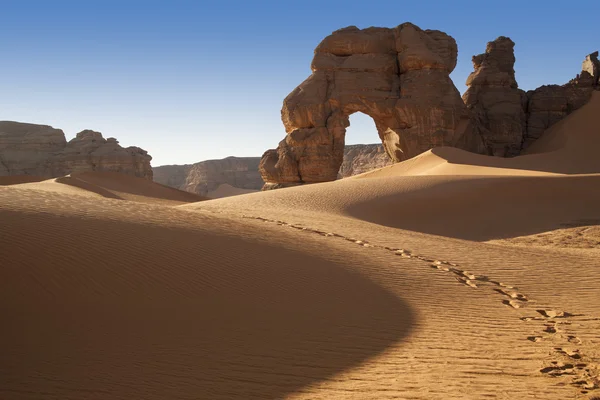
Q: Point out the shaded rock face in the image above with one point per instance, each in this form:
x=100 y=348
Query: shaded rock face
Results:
x=507 y=118
x=207 y=176
x=399 y=77
x=497 y=105
x=549 y=104
x=40 y=150
x=360 y=158
x=172 y=175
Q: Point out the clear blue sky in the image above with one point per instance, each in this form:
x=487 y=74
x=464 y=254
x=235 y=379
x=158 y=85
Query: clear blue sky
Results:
x=195 y=80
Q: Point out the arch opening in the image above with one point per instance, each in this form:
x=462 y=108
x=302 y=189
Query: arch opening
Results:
x=363 y=149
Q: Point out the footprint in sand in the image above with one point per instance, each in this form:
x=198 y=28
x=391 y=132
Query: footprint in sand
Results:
x=512 y=294
x=558 y=369
x=574 y=354
x=550 y=329
x=574 y=339
x=554 y=314
x=512 y=303
x=440 y=267
x=466 y=281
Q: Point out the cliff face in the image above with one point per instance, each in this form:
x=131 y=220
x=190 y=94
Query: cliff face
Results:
x=242 y=172
x=549 y=104
x=361 y=158
x=172 y=175
x=507 y=118
x=40 y=150
x=206 y=176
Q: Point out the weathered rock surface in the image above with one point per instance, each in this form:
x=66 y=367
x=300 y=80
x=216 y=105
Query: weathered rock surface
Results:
x=206 y=176
x=497 y=105
x=399 y=77
x=360 y=158
x=172 y=175
x=549 y=104
x=507 y=118
x=242 y=173
x=29 y=149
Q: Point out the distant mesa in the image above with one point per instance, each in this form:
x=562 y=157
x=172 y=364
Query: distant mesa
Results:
x=400 y=78
x=40 y=150
x=207 y=176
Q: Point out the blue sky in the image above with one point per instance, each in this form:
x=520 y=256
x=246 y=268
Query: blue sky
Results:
x=195 y=80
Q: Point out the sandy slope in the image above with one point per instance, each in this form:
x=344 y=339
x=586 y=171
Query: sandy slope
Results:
x=226 y=190
x=113 y=185
x=381 y=286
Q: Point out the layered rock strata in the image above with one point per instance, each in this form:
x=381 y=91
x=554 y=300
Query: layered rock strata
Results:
x=40 y=150
x=206 y=176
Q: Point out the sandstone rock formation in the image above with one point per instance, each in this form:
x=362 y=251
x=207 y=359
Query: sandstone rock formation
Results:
x=172 y=175
x=40 y=150
x=207 y=176
x=399 y=77
x=507 y=118
x=360 y=158
x=549 y=104
x=241 y=173
x=497 y=105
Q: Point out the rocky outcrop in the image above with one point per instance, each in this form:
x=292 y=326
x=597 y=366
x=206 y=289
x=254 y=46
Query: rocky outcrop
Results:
x=507 y=118
x=207 y=176
x=40 y=150
x=399 y=77
x=172 y=175
x=549 y=104
x=360 y=158
x=497 y=105
x=242 y=173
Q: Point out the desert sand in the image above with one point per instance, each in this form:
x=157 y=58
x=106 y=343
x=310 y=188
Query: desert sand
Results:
x=421 y=280
x=226 y=190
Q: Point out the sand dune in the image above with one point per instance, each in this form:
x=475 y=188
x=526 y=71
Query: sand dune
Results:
x=113 y=185
x=381 y=286
x=17 y=179
x=226 y=190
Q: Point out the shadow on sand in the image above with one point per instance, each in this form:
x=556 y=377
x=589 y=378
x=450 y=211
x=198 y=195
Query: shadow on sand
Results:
x=115 y=310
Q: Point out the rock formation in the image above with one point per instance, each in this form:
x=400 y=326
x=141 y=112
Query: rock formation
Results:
x=242 y=173
x=549 y=104
x=172 y=175
x=360 y=158
x=40 y=150
x=507 y=118
x=497 y=105
x=207 y=176
x=399 y=77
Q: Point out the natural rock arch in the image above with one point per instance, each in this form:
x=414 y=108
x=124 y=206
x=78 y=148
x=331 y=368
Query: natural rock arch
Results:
x=397 y=76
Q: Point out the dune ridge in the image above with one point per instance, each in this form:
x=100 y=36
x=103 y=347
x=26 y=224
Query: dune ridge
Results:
x=398 y=283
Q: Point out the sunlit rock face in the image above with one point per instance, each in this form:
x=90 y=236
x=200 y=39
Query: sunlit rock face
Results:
x=40 y=150
x=398 y=76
